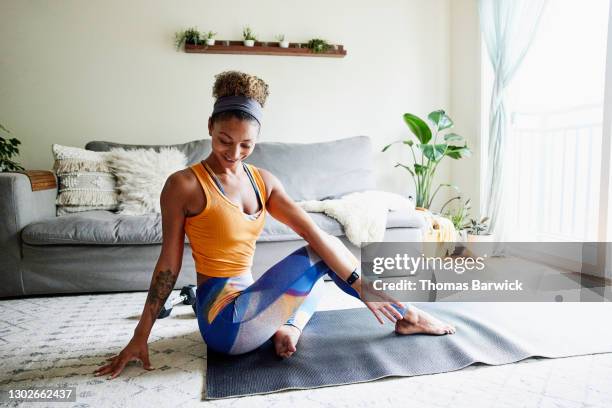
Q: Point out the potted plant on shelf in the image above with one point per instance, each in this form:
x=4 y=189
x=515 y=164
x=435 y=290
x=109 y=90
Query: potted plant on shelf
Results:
x=281 y=41
x=249 y=37
x=428 y=152
x=210 y=38
x=8 y=149
x=189 y=36
x=318 y=45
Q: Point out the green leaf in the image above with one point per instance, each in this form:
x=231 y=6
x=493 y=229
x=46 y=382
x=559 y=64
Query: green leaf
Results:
x=458 y=152
x=453 y=137
x=440 y=119
x=3 y=128
x=387 y=146
x=179 y=39
x=433 y=152
x=454 y=187
x=9 y=149
x=420 y=170
x=405 y=167
x=408 y=142
x=418 y=127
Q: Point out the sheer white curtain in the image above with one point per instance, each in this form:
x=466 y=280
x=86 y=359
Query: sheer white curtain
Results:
x=508 y=28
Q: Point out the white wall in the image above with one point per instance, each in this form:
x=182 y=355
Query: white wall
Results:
x=465 y=101
x=73 y=71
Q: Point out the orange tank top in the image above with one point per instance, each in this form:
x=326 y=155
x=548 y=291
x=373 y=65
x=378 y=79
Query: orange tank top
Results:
x=222 y=238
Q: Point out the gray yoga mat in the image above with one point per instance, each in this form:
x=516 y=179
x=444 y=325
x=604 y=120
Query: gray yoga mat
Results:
x=350 y=346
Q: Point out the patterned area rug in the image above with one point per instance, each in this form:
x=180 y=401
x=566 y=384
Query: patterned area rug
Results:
x=60 y=341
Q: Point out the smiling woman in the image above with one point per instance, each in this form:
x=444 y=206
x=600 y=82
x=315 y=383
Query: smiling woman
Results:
x=221 y=205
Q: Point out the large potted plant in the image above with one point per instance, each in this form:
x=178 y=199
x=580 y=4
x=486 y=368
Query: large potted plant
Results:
x=429 y=151
x=8 y=149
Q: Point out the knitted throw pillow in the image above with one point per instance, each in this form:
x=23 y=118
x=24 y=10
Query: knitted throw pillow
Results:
x=85 y=181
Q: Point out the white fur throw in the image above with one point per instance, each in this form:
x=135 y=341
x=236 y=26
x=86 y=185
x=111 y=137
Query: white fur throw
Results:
x=363 y=214
x=85 y=180
x=141 y=174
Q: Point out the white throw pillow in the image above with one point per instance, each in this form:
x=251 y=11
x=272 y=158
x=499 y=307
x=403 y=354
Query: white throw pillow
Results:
x=85 y=180
x=141 y=175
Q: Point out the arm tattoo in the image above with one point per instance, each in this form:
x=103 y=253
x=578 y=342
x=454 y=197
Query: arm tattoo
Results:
x=161 y=287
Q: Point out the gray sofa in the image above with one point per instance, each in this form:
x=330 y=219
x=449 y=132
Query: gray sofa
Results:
x=101 y=251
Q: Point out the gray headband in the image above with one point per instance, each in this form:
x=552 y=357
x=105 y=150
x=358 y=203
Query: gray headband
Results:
x=241 y=103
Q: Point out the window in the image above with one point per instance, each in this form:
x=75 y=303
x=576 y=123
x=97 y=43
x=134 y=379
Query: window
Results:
x=555 y=111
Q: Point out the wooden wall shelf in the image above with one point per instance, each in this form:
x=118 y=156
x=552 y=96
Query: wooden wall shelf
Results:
x=262 y=48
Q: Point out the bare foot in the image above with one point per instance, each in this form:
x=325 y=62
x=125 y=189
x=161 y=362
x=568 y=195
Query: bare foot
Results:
x=285 y=339
x=418 y=321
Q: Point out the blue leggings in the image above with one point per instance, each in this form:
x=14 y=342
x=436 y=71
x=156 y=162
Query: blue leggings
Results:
x=236 y=315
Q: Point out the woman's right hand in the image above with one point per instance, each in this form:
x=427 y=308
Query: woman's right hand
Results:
x=136 y=350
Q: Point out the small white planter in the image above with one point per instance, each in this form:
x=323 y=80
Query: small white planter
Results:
x=480 y=238
x=210 y=41
x=480 y=245
x=283 y=44
x=249 y=43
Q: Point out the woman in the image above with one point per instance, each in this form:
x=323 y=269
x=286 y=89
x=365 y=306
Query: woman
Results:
x=221 y=204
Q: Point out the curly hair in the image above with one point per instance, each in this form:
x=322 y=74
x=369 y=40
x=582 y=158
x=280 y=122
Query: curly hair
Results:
x=234 y=83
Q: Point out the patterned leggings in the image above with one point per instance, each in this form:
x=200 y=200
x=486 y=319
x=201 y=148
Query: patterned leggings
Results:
x=237 y=315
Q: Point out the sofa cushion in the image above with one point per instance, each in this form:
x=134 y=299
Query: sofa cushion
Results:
x=95 y=228
x=315 y=171
x=308 y=171
x=108 y=228
x=194 y=151
x=277 y=231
